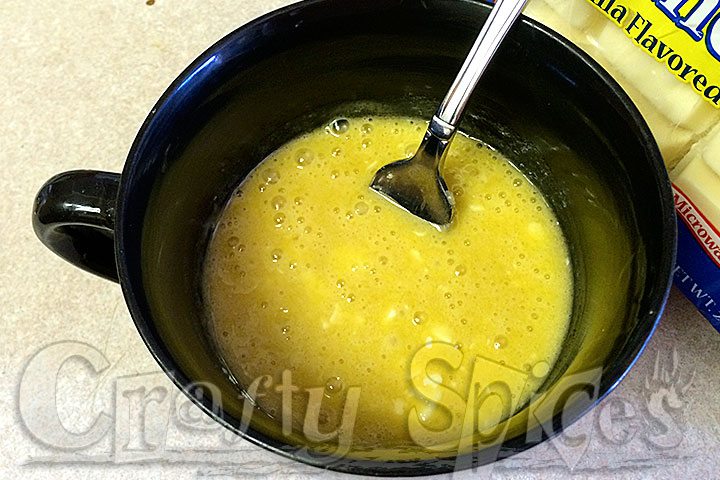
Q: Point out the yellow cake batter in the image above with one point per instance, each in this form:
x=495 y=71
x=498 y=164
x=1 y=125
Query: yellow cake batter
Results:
x=312 y=273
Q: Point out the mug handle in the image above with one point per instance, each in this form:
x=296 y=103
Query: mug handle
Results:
x=74 y=216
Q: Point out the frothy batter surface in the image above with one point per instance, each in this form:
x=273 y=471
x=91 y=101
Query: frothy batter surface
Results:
x=312 y=272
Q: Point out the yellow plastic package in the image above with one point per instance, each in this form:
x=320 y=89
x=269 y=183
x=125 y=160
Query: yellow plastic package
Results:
x=666 y=55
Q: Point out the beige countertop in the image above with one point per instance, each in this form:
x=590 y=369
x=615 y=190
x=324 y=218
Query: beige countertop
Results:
x=78 y=78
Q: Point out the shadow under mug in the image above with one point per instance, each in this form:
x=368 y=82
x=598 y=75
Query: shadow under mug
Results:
x=543 y=103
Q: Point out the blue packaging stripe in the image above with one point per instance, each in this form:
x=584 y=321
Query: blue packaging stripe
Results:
x=697 y=275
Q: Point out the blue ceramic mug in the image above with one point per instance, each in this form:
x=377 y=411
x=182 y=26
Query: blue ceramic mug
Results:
x=545 y=104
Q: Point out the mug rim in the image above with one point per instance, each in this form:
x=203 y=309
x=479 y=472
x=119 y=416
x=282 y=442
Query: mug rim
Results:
x=629 y=354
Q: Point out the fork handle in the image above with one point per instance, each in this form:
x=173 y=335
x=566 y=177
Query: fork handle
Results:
x=501 y=18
